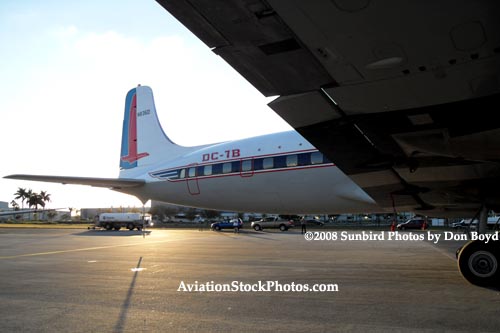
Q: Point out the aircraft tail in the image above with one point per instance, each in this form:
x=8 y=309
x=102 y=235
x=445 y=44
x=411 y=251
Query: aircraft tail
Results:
x=143 y=141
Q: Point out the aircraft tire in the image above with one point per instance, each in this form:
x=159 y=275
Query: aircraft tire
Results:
x=479 y=263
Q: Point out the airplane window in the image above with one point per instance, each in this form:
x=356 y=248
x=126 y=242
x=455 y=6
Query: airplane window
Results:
x=316 y=158
x=279 y=162
x=246 y=165
x=257 y=164
x=192 y=172
x=268 y=163
x=227 y=167
x=217 y=169
x=291 y=160
x=207 y=170
x=304 y=159
x=235 y=166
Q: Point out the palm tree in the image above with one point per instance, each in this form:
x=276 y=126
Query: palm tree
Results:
x=29 y=194
x=45 y=197
x=22 y=194
x=51 y=214
x=14 y=205
x=35 y=200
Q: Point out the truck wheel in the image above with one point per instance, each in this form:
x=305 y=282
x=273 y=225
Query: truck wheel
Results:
x=117 y=228
x=283 y=227
x=130 y=226
x=108 y=226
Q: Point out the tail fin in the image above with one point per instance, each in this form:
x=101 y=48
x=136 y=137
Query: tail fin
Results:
x=143 y=140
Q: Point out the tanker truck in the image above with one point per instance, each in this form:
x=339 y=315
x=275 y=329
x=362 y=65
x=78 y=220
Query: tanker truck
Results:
x=116 y=221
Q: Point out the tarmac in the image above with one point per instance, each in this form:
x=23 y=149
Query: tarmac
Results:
x=70 y=280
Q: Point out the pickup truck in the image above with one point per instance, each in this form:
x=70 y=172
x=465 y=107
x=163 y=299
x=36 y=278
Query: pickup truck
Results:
x=466 y=223
x=272 y=222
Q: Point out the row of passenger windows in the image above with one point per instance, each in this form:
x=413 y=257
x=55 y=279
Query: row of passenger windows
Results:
x=256 y=164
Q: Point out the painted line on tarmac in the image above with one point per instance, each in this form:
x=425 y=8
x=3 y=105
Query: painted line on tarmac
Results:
x=88 y=249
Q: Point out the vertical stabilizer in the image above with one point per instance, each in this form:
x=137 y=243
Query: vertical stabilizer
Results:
x=143 y=141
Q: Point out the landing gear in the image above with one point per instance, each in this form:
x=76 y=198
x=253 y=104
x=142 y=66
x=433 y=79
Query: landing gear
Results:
x=479 y=263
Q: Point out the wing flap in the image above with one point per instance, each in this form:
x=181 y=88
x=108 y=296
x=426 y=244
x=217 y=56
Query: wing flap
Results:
x=115 y=183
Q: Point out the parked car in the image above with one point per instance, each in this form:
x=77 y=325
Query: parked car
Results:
x=272 y=222
x=415 y=223
x=315 y=222
x=226 y=224
x=466 y=223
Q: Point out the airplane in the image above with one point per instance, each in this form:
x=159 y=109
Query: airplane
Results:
x=275 y=173
x=400 y=95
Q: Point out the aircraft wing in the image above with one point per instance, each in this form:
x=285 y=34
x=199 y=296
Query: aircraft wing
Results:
x=402 y=95
x=114 y=183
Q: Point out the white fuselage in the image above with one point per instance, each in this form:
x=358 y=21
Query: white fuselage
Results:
x=276 y=173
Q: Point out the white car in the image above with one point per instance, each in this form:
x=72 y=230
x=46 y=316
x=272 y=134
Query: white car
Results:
x=272 y=222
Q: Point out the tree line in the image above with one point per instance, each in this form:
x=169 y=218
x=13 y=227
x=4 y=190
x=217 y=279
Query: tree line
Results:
x=32 y=199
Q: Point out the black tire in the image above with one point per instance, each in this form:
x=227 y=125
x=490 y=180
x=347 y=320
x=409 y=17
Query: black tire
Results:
x=217 y=228
x=479 y=263
x=283 y=227
x=257 y=227
x=130 y=226
x=117 y=228
x=108 y=226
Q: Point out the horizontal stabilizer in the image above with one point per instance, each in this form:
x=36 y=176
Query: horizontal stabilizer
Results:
x=115 y=183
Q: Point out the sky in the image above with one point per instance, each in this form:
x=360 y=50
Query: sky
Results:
x=65 y=69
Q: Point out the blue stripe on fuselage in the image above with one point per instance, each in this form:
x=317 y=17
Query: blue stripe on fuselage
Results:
x=125 y=132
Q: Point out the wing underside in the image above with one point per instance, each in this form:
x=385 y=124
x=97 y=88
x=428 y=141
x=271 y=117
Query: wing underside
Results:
x=406 y=107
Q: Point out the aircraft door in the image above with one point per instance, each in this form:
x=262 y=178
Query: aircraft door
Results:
x=192 y=179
